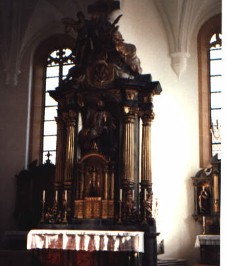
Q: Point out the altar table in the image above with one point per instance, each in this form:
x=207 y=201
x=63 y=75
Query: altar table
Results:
x=86 y=240
x=86 y=247
x=209 y=248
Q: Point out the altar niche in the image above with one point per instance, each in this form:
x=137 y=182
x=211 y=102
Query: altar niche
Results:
x=101 y=167
x=95 y=188
x=207 y=189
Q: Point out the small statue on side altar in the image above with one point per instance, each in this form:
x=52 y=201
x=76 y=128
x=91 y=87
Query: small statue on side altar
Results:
x=204 y=200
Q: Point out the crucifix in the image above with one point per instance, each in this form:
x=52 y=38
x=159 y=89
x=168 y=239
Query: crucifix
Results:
x=48 y=155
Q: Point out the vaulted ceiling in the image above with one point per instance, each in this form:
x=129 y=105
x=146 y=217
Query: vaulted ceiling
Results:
x=181 y=19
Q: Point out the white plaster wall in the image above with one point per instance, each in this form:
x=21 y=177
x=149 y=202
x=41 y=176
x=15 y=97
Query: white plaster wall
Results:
x=175 y=147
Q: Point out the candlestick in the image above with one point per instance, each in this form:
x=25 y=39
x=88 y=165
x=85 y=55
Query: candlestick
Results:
x=43 y=195
x=204 y=224
x=56 y=195
x=120 y=212
x=65 y=195
x=145 y=194
x=215 y=183
x=120 y=196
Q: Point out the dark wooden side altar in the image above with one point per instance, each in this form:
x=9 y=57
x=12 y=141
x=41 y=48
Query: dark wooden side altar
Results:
x=103 y=178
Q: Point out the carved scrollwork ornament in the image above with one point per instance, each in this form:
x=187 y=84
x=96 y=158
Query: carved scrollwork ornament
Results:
x=100 y=74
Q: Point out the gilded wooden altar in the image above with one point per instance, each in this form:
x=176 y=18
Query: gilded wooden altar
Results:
x=103 y=177
x=105 y=106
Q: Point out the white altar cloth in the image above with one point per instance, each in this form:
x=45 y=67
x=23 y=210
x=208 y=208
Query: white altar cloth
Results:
x=87 y=240
x=207 y=240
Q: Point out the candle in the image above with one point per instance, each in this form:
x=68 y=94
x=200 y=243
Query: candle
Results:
x=43 y=195
x=204 y=224
x=145 y=193
x=56 y=195
x=133 y=194
x=120 y=198
x=65 y=195
x=215 y=184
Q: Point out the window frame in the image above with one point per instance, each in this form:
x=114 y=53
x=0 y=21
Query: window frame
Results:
x=213 y=25
x=41 y=54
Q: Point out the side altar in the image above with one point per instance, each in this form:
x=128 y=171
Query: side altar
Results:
x=103 y=177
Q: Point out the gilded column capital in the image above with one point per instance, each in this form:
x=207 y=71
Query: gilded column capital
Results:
x=146 y=116
x=129 y=114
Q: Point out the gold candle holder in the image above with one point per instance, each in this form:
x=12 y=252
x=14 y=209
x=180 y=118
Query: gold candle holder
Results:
x=204 y=225
x=120 y=213
x=43 y=206
x=144 y=204
x=65 y=208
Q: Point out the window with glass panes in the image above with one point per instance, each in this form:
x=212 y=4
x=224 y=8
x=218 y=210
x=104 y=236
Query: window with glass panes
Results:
x=216 y=69
x=58 y=64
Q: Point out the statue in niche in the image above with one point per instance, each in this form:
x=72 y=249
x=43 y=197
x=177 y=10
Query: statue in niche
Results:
x=99 y=128
x=94 y=183
x=204 y=200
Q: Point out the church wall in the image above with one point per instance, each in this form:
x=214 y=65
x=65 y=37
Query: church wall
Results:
x=175 y=147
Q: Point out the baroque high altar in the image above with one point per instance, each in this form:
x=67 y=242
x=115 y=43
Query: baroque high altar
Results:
x=103 y=177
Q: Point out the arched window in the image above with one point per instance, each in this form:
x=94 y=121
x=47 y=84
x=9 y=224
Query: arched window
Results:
x=209 y=88
x=52 y=60
x=216 y=69
x=57 y=65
